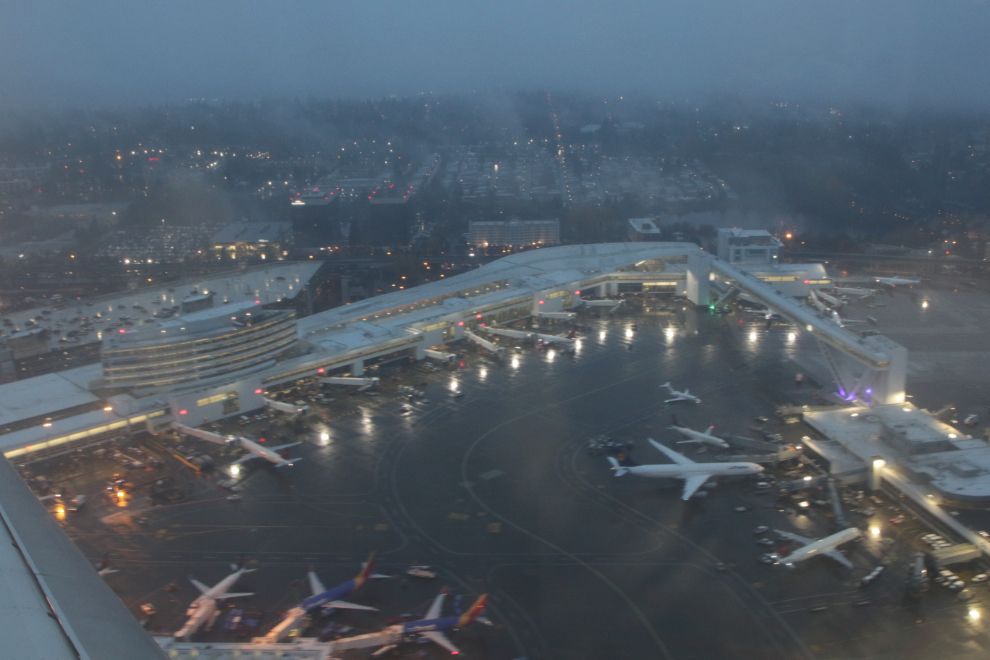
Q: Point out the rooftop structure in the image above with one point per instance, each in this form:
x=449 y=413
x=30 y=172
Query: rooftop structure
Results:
x=748 y=246
x=643 y=229
x=952 y=465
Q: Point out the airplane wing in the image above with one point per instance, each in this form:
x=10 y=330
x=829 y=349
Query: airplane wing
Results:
x=839 y=557
x=315 y=584
x=244 y=459
x=794 y=537
x=344 y=605
x=222 y=596
x=442 y=640
x=436 y=606
x=671 y=454
x=692 y=484
x=107 y=571
x=199 y=585
x=291 y=444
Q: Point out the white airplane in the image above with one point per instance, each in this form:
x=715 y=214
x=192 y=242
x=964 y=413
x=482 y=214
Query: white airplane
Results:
x=852 y=291
x=205 y=607
x=841 y=322
x=693 y=474
x=680 y=396
x=699 y=437
x=826 y=546
x=270 y=454
x=894 y=281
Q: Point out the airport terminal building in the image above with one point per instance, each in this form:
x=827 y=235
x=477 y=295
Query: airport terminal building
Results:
x=199 y=367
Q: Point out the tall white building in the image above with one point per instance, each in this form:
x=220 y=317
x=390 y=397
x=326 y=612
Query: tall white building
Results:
x=515 y=233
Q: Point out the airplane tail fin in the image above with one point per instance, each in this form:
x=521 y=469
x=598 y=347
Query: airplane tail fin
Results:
x=619 y=469
x=667 y=385
x=473 y=612
x=365 y=573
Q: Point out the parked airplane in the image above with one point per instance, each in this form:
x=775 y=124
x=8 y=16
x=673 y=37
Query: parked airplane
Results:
x=328 y=599
x=268 y=453
x=323 y=598
x=680 y=396
x=699 y=437
x=826 y=546
x=205 y=607
x=852 y=291
x=894 y=281
x=694 y=474
x=841 y=322
x=432 y=625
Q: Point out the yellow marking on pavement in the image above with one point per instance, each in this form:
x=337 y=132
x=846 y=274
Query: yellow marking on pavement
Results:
x=381 y=527
x=482 y=514
x=458 y=516
x=495 y=527
x=757 y=585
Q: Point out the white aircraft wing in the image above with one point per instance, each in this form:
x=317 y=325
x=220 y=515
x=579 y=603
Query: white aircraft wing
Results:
x=839 y=557
x=692 y=484
x=436 y=606
x=315 y=585
x=235 y=595
x=344 y=605
x=291 y=444
x=671 y=454
x=794 y=537
x=245 y=458
x=199 y=585
x=442 y=640
x=107 y=571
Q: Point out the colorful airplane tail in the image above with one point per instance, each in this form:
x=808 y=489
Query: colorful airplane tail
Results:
x=472 y=612
x=365 y=573
x=619 y=469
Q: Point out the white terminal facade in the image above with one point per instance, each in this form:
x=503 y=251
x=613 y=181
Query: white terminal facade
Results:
x=180 y=381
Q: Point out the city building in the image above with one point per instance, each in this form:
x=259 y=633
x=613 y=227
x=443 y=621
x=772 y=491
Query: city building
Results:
x=514 y=233
x=748 y=246
x=644 y=229
x=251 y=239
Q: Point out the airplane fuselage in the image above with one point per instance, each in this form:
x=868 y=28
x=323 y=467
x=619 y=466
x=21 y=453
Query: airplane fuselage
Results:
x=674 y=471
x=698 y=436
x=822 y=546
x=328 y=596
x=443 y=623
x=200 y=610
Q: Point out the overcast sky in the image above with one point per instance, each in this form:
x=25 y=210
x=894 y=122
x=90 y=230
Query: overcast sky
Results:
x=902 y=52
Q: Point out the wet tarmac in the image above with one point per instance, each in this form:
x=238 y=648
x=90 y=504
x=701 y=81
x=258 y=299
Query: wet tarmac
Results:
x=497 y=491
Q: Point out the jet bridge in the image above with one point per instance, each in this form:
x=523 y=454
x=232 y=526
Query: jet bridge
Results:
x=866 y=368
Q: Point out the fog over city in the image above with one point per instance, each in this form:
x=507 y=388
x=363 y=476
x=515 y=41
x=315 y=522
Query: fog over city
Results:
x=901 y=54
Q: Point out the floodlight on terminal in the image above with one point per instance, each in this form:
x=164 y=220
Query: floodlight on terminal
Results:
x=879 y=463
